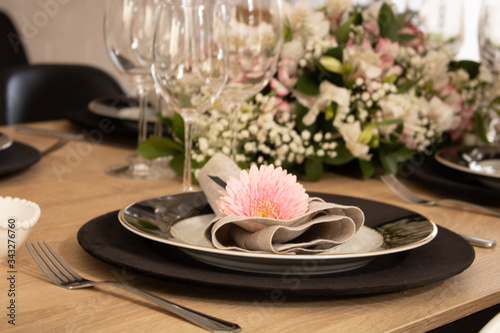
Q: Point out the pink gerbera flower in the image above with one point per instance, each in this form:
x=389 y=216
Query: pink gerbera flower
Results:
x=265 y=192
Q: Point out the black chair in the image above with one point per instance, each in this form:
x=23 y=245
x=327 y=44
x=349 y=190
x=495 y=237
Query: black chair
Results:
x=47 y=91
x=12 y=51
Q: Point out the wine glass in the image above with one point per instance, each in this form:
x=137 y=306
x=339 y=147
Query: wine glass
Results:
x=190 y=61
x=443 y=22
x=489 y=34
x=128 y=34
x=255 y=35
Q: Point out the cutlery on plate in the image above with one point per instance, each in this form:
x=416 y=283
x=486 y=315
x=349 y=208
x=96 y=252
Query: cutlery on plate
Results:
x=480 y=242
x=405 y=193
x=49 y=132
x=64 y=276
x=64 y=137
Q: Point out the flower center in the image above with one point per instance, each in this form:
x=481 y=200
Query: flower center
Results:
x=265 y=208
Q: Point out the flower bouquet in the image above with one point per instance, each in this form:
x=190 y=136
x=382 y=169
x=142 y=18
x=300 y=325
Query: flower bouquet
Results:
x=353 y=85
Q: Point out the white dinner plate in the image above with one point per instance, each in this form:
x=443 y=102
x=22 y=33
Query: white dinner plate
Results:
x=5 y=141
x=481 y=162
x=180 y=220
x=123 y=108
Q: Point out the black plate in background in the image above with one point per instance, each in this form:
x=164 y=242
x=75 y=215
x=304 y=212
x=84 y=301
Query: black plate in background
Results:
x=447 y=255
x=113 y=131
x=18 y=157
x=448 y=182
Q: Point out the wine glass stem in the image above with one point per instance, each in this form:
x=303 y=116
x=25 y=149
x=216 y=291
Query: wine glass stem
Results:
x=188 y=144
x=143 y=124
x=234 y=116
x=158 y=131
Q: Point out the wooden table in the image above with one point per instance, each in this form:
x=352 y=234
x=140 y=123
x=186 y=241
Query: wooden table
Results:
x=83 y=191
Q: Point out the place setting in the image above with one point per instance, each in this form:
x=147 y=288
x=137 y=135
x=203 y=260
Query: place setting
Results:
x=341 y=246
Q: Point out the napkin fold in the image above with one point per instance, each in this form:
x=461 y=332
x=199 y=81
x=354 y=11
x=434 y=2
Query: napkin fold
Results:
x=323 y=226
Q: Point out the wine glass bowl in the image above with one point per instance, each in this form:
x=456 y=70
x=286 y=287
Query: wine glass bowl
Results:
x=443 y=22
x=121 y=36
x=190 y=61
x=255 y=37
x=489 y=35
x=128 y=34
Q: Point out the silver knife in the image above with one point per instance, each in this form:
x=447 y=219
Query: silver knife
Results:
x=48 y=132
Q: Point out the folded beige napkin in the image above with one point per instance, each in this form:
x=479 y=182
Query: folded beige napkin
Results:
x=323 y=226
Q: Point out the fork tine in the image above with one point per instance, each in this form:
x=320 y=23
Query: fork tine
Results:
x=56 y=266
x=44 y=265
x=400 y=188
x=62 y=263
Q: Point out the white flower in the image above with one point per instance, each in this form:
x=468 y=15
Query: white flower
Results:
x=441 y=114
x=305 y=22
x=293 y=49
x=335 y=7
x=436 y=69
x=365 y=60
x=328 y=93
x=350 y=133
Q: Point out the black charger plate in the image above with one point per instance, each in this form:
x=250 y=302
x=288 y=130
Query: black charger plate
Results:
x=444 y=257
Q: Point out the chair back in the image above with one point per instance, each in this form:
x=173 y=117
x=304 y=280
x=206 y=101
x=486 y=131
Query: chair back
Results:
x=48 y=91
x=12 y=51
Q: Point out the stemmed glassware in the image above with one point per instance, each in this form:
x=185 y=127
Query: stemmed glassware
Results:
x=190 y=61
x=489 y=34
x=443 y=22
x=128 y=33
x=255 y=34
x=489 y=53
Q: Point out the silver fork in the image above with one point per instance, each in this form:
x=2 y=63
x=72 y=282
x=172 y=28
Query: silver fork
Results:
x=62 y=275
x=405 y=193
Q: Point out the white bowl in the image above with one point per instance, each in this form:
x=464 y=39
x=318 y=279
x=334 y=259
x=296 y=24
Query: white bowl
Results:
x=17 y=218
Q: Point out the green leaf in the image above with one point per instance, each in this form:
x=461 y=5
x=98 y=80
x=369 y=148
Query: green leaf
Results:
x=308 y=84
x=480 y=127
x=406 y=37
x=336 y=52
x=388 y=122
x=314 y=169
x=342 y=33
x=288 y=34
x=471 y=67
x=407 y=86
x=344 y=156
x=400 y=20
x=178 y=126
x=156 y=146
x=367 y=168
x=177 y=163
x=390 y=159
x=387 y=23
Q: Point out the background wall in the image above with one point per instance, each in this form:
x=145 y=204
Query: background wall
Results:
x=61 y=31
x=71 y=31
